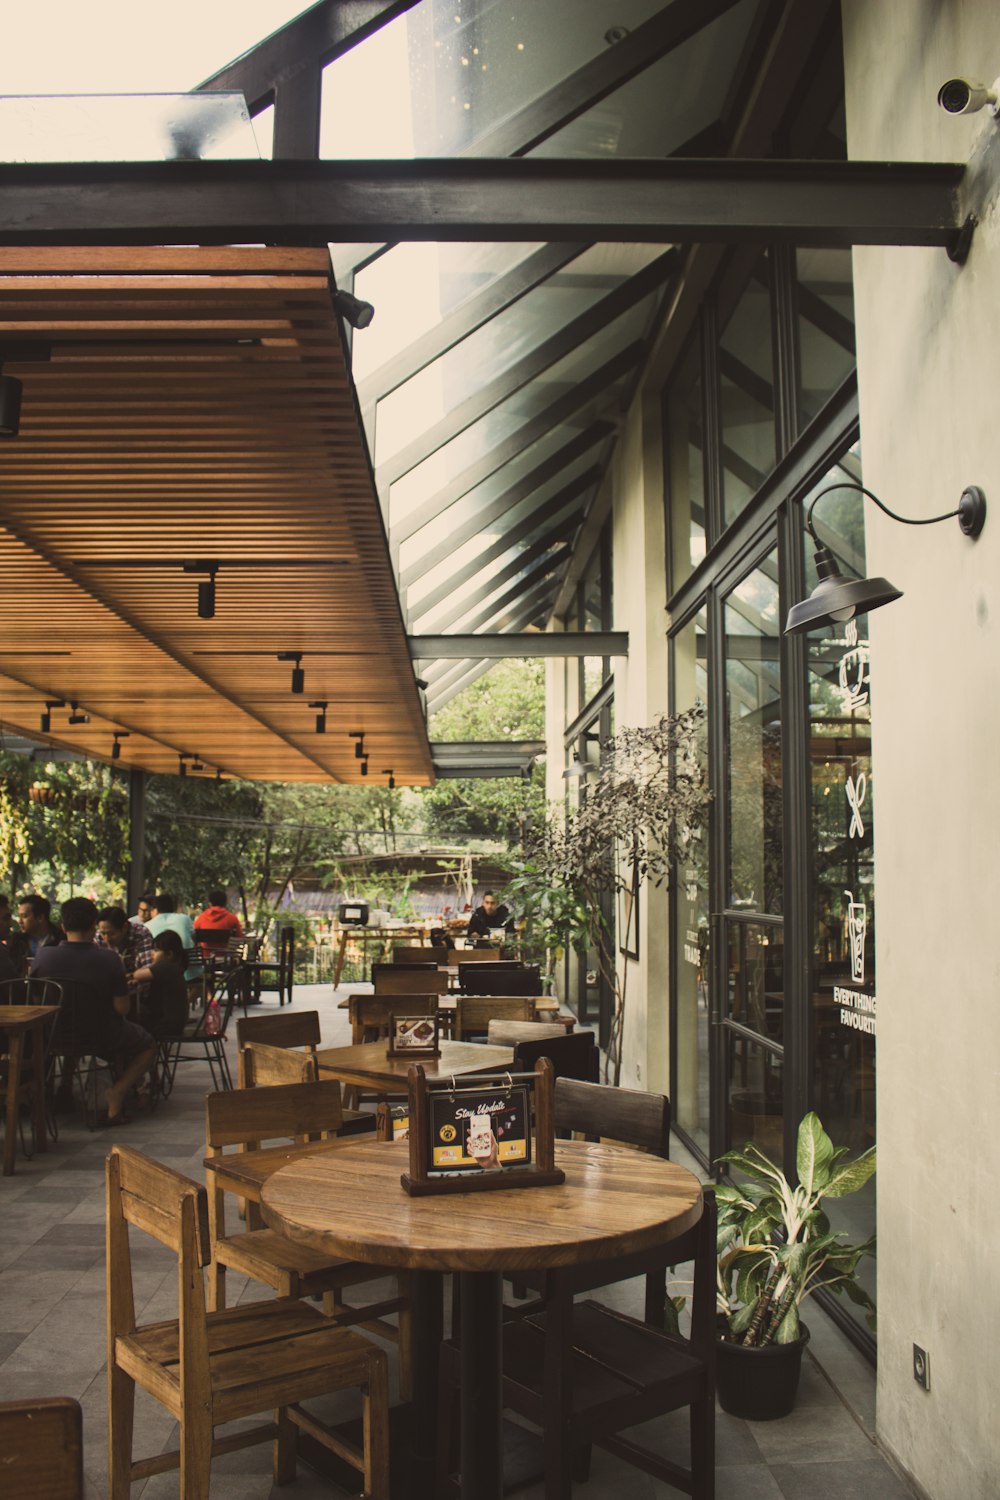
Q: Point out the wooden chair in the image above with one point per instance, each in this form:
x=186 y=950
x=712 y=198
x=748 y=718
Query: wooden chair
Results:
x=266 y=1067
x=574 y=1055
x=372 y=1013
x=275 y=974
x=409 y=955
x=473 y=1013
x=41 y=1449
x=510 y=1033
x=207 y=1368
x=397 y=979
x=244 y=1120
x=296 y=1029
x=458 y=956
x=507 y=977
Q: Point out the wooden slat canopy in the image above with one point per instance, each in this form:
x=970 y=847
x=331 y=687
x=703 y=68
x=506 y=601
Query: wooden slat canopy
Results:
x=196 y=407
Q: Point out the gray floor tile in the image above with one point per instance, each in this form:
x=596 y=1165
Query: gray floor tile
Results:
x=811 y=1435
x=843 y=1480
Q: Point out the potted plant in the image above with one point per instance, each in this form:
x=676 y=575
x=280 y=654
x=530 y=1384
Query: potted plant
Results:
x=775 y=1248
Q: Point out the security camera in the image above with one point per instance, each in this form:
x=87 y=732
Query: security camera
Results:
x=960 y=97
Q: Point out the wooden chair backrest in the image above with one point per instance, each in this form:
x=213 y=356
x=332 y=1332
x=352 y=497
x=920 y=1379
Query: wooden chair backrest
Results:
x=373 y=1011
x=573 y=1056
x=509 y=1033
x=288 y=1029
x=473 y=1013
x=290 y=1111
x=599 y=1110
x=42 y=1446
x=405 y=954
x=472 y=955
x=507 y=978
x=394 y=979
x=265 y=1066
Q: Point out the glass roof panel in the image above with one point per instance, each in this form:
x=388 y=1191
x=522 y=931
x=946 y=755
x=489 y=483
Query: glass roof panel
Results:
x=126 y=127
x=501 y=342
x=443 y=74
x=669 y=103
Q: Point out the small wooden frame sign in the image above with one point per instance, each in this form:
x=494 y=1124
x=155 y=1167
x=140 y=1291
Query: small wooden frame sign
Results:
x=476 y=1135
x=414 y=1036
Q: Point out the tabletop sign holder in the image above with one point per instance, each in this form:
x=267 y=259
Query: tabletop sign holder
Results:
x=423 y=1179
x=414 y=1036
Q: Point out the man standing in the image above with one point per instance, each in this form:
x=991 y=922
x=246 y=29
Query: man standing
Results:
x=166 y=918
x=34 y=914
x=96 y=998
x=217 y=924
x=490 y=919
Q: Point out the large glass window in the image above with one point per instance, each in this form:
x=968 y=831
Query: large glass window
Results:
x=746 y=394
x=685 y=440
x=825 y=297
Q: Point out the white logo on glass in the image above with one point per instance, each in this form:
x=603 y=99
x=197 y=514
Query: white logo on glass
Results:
x=857 y=928
x=855 y=797
x=853 y=672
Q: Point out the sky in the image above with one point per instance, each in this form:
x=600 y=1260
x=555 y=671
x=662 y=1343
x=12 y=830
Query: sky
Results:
x=130 y=46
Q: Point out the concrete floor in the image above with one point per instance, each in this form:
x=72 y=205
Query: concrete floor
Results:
x=52 y=1334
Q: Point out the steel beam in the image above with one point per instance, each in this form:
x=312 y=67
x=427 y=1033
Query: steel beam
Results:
x=524 y=643
x=481 y=758
x=657 y=201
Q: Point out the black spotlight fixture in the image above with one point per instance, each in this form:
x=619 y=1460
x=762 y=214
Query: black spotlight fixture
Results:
x=182 y=761
x=837 y=598
x=359 y=314
x=298 y=672
x=359 y=749
x=392 y=779
x=76 y=717
x=421 y=684
x=322 y=705
x=364 y=765
x=116 y=739
x=45 y=724
x=10 y=406
x=206 y=589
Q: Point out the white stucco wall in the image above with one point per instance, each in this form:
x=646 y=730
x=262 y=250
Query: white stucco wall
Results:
x=641 y=695
x=928 y=332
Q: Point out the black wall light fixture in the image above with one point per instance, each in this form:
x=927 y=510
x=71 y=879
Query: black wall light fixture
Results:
x=45 y=724
x=837 y=598
x=321 y=704
x=116 y=739
x=76 y=717
x=206 y=589
x=359 y=314
x=298 y=672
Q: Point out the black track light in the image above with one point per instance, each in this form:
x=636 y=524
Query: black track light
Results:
x=298 y=672
x=322 y=705
x=198 y=765
x=10 y=406
x=46 y=719
x=116 y=739
x=392 y=779
x=358 y=313
x=359 y=749
x=182 y=761
x=206 y=589
x=364 y=765
x=76 y=717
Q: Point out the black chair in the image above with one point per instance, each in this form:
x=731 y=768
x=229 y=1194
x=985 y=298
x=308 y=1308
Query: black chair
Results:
x=575 y=1055
x=275 y=974
x=198 y=1043
x=492 y=978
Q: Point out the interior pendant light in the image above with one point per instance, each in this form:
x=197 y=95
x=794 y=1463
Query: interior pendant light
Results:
x=836 y=598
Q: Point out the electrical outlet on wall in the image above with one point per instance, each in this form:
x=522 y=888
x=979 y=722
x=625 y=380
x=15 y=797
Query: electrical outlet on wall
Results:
x=921 y=1367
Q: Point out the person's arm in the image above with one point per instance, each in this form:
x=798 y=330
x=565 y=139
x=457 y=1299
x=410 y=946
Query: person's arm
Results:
x=142 y=976
x=143 y=947
x=122 y=1004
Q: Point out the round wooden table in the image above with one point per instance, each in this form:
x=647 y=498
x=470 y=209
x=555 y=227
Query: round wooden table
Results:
x=614 y=1202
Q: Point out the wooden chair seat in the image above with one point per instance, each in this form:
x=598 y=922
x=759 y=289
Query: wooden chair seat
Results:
x=210 y=1368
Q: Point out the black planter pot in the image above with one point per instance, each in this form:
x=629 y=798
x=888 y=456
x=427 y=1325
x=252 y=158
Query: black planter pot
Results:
x=759 y=1384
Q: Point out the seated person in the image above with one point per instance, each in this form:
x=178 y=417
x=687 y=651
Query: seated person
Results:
x=166 y=918
x=132 y=941
x=34 y=913
x=164 y=1009
x=95 y=1008
x=489 y=920
x=216 y=925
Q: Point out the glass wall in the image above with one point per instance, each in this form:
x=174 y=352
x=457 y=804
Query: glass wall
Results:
x=691 y=928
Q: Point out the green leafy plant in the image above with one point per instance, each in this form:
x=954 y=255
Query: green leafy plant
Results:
x=775 y=1244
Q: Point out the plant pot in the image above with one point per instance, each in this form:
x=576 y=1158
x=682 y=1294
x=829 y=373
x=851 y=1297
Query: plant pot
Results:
x=759 y=1384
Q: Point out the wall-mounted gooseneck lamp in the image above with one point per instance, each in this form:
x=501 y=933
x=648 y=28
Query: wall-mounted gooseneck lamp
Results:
x=45 y=723
x=837 y=598
x=392 y=779
x=298 y=672
x=76 y=717
x=116 y=739
x=321 y=704
x=206 y=589
x=359 y=749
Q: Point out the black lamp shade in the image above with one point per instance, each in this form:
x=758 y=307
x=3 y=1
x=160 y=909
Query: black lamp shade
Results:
x=837 y=598
x=10 y=406
x=298 y=680
x=206 y=600
x=321 y=722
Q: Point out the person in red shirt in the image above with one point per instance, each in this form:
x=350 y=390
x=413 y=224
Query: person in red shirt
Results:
x=217 y=924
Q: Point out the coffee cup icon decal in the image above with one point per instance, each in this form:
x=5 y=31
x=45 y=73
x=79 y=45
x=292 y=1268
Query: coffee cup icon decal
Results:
x=857 y=929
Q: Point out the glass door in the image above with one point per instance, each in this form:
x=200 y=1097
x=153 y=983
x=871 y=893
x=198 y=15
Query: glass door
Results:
x=749 y=998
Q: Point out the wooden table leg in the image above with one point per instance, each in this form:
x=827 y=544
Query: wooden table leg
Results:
x=482 y=1381
x=41 y=1141
x=13 y=1089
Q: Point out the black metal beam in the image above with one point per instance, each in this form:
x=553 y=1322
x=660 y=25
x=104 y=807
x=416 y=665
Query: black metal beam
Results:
x=517 y=564
x=655 y=201
x=527 y=643
x=533 y=364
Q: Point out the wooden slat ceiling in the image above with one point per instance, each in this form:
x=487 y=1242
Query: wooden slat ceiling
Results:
x=197 y=406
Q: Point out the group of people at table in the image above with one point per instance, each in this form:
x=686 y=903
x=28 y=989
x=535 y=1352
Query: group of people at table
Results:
x=130 y=978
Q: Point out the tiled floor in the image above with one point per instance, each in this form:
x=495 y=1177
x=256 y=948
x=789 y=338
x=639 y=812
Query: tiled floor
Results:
x=52 y=1335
